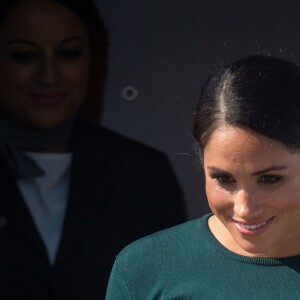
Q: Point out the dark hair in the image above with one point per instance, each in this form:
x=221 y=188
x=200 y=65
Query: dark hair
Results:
x=85 y=9
x=260 y=93
x=89 y=14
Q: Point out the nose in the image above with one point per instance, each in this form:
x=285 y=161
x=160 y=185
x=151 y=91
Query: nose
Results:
x=247 y=204
x=48 y=72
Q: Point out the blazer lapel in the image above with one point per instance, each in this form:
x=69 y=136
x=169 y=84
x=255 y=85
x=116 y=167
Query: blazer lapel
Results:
x=14 y=210
x=91 y=187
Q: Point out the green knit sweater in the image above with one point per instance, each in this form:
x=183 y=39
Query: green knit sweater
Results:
x=187 y=262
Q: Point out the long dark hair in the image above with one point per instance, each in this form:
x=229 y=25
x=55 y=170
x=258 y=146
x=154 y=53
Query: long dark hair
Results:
x=85 y=9
x=260 y=93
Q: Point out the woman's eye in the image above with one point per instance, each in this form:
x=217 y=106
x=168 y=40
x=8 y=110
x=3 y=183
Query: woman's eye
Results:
x=223 y=179
x=70 y=54
x=24 y=57
x=270 y=179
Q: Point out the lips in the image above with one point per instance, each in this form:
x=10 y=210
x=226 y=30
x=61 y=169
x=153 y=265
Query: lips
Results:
x=47 y=98
x=253 y=229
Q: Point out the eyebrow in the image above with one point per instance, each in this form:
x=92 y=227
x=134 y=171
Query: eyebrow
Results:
x=20 y=41
x=270 y=169
x=31 y=43
x=259 y=172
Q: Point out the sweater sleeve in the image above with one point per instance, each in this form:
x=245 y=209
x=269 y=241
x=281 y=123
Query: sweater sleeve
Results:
x=117 y=287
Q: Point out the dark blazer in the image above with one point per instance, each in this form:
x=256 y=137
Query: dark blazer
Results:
x=120 y=190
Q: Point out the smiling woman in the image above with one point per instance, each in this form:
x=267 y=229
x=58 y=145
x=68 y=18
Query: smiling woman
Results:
x=73 y=194
x=252 y=185
x=44 y=69
x=247 y=133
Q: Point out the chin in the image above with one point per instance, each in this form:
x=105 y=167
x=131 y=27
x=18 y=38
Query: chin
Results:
x=255 y=249
x=44 y=124
x=46 y=120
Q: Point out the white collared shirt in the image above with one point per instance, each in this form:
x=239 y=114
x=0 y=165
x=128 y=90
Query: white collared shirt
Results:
x=46 y=197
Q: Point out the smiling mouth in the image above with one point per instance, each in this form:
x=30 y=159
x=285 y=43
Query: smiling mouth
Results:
x=252 y=227
x=48 y=99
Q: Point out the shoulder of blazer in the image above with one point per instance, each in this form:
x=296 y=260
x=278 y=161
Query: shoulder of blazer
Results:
x=114 y=144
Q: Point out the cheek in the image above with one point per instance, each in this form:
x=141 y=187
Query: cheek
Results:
x=285 y=200
x=14 y=76
x=78 y=73
x=13 y=80
x=287 y=196
x=76 y=79
x=218 y=198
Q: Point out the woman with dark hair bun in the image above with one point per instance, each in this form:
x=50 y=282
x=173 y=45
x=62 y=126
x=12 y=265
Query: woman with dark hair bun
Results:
x=258 y=92
x=247 y=133
x=72 y=193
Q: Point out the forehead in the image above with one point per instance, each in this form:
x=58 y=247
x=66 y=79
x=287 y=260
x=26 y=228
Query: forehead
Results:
x=230 y=146
x=227 y=133
x=40 y=18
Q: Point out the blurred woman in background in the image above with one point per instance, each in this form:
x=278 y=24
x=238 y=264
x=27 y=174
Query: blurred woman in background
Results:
x=72 y=193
